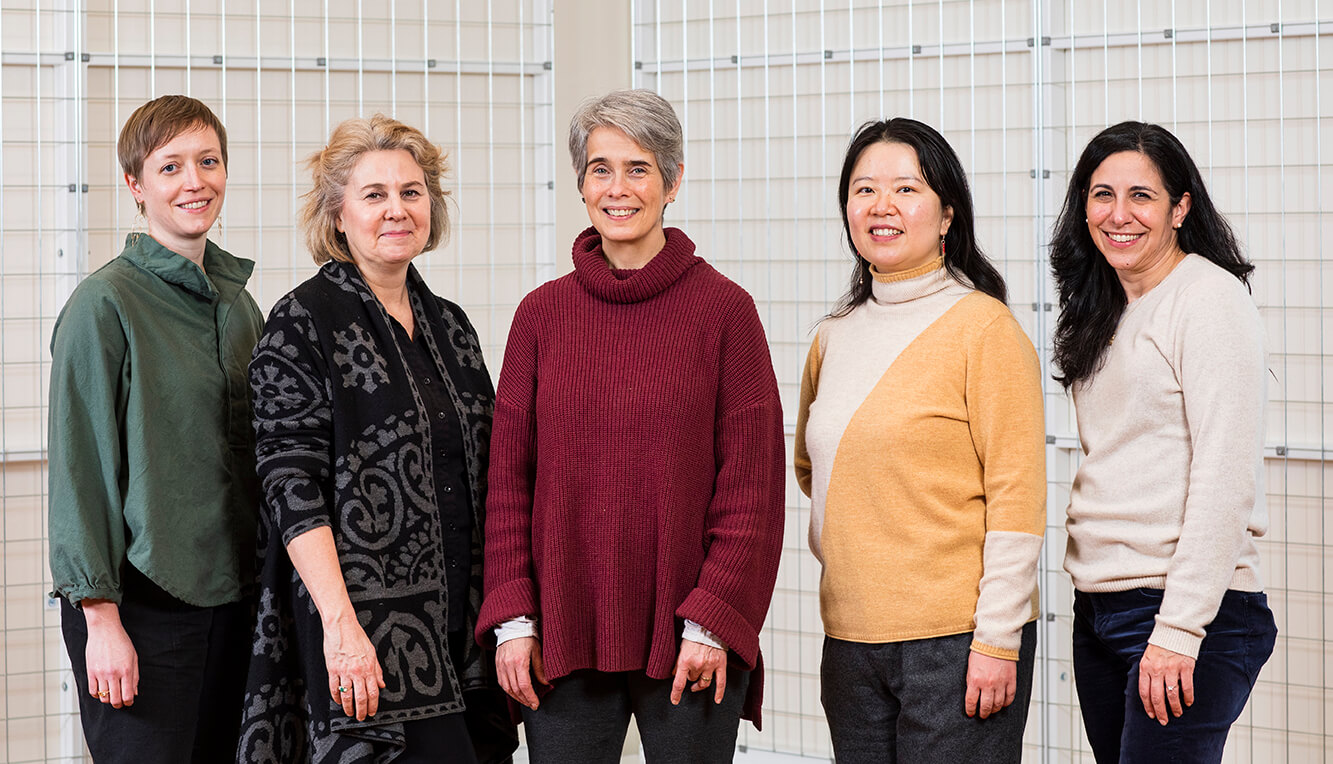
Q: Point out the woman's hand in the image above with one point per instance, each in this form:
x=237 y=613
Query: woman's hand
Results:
x=1165 y=678
x=516 y=661
x=355 y=677
x=991 y=684
x=702 y=665
x=113 y=664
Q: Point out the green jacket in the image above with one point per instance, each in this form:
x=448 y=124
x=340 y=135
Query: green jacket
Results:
x=151 y=456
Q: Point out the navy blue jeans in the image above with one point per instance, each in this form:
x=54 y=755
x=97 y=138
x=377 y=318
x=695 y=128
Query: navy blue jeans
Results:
x=1111 y=632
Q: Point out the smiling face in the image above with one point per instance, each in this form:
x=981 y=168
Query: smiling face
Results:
x=625 y=195
x=181 y=188
x=386 y=211
x=1131 y=219
x=896 y=219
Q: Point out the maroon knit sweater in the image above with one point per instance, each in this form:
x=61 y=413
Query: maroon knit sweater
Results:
x=637 y=466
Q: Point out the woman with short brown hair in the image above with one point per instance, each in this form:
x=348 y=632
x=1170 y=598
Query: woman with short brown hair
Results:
x=152 y=479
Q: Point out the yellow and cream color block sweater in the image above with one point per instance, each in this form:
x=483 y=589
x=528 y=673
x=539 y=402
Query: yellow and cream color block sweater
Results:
x=921 y=443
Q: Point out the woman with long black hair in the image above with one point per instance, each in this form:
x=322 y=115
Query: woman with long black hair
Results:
x=920 y=440
x=1163 y=349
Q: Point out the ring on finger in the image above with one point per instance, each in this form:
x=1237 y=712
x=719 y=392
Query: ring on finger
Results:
x=705 y=680
x=1170 y=688
x=103 y=694
x=342 y=689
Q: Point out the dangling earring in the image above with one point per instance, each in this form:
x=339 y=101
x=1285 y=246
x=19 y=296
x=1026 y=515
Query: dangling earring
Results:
x=941 y=246
x=136 y=228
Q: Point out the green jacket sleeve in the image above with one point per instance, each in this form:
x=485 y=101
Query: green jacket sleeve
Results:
x=89 y=371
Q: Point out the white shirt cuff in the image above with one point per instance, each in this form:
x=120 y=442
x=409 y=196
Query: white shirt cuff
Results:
x=696 y=633
x=516 y=628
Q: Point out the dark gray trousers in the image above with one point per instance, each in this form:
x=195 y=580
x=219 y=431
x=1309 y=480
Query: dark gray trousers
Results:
x=585 y=716
x=903 y=701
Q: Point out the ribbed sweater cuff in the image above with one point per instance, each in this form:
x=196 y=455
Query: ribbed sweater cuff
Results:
x=1175 y=640
x=510 y=600
x=994 y=652
x=724 y=621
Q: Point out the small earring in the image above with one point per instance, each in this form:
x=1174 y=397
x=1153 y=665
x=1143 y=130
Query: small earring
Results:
x=941 y=246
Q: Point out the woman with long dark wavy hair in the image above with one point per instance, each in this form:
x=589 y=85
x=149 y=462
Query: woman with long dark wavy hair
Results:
x=920 y=440
x=1163 y=349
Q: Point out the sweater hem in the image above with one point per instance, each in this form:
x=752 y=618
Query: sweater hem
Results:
x=875 y=638
x=1243 y=580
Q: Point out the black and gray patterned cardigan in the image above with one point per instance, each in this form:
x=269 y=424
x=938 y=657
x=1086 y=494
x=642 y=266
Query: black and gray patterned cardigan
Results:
x=343 y=441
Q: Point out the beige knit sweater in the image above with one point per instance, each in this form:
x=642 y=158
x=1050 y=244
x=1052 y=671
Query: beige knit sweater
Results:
x=1170 y=491
x=920 y=441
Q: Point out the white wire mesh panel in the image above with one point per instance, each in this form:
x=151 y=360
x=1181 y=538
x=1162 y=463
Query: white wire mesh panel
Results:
x=475 y=77
x=770 y=93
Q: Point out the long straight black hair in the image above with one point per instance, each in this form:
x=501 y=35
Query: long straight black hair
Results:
x=943 y=172
x=1091 y=297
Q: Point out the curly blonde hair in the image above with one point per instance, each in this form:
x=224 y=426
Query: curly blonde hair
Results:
x=332 y=166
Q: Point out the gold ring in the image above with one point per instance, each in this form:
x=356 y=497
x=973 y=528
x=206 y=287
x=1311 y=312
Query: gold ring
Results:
x=705 y=680
x=103 y=694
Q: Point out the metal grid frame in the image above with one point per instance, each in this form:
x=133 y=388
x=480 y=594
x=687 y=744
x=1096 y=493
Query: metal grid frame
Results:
x=1019 y=88
x=475 y=77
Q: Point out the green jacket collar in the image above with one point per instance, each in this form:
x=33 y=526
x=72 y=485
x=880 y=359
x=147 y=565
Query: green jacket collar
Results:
x=147 y=253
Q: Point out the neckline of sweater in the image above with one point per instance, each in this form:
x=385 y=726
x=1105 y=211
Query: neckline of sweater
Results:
x=906 y=286
x=594 y=272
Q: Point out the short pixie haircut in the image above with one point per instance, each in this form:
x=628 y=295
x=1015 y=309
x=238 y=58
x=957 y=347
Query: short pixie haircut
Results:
x=646 y=117
x=332 y=166
x=157 y=122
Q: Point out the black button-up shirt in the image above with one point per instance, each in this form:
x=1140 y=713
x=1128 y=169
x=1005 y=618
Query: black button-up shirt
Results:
x=450 y=473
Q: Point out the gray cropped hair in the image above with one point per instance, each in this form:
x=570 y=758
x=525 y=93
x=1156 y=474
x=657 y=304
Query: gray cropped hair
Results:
x=646 y=117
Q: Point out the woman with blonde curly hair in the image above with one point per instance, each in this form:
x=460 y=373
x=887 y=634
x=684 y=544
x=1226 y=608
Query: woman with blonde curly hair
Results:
x=373 y=416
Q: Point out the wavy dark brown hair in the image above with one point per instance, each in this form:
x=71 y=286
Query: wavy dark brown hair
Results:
x=1091 y=298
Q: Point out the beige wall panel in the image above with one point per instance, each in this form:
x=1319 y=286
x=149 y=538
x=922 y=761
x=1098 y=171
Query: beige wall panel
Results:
x=23 y=31
x=24 y=427
x=26 y=119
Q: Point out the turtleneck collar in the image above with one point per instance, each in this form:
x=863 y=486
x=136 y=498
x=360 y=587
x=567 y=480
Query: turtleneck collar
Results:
x=909 y=285
x=595 y=274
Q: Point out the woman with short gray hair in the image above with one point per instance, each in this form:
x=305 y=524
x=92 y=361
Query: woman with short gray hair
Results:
x=634 y=520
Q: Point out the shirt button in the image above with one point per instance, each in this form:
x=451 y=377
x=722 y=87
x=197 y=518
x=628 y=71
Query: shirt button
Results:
x=428 y=380
x=448 y=489
x=442 y=415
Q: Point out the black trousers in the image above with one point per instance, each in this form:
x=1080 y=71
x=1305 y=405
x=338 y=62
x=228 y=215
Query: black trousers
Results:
x=192 y=667
x=585 y=716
